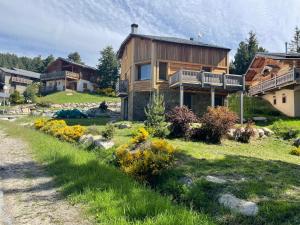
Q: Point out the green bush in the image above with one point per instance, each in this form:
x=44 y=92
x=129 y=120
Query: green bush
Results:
x=108 y=132
x=155 y=117
x=110 y=92
x=30 y=94
x=70 y=114
x=43 y=104
x=282 y=130
x=16 y=98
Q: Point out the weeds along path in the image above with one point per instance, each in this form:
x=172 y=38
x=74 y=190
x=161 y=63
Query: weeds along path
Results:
x=27 y=193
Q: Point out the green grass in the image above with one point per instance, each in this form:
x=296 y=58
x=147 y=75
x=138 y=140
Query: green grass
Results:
x=108 y=195
x=76 y=97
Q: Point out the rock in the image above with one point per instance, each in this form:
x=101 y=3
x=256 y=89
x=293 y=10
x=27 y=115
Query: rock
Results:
x=124 y=125
x=216 y=180
x=104 y=144
x=86 y=139
x=230 y=134
x=261 y=132
x=239 y=205
x=186 y=180
x=97 y=138
x=267 y=131
x=297 y=142
x=256 y=133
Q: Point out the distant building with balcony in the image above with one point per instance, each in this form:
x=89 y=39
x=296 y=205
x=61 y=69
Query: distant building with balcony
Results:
x=64 y=74
x=276 y=78
x=17 y=79
x=186 y=71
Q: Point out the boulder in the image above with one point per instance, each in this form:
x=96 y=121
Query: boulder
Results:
x=86 y=139
x=186 y=180
x=230 y=134
x=259 y=119
x=216 y=180
x=124 y=125
x=261 y=132
x=105 y=144
x=297 y=142
x=267 y=131
x=238 y=205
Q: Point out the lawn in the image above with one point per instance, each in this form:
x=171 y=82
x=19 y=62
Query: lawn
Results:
x=263 y=172
x=76 y=97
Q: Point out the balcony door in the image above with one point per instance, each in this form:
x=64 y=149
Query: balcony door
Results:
x=187 y=100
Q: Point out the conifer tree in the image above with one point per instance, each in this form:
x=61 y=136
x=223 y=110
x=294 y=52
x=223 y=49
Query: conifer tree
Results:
x=294 y=46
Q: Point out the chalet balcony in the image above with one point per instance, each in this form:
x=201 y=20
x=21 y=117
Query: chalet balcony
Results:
x=60 y=75
x=291 y=77
x=198 y=79
x=122 y=88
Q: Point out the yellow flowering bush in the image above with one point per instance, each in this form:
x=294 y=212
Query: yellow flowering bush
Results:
x=295 y=151
x=39 y=123
x=140 y=136
x=145 y=163
x=59 y=129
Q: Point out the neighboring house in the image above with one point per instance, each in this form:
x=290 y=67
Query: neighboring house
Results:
x=64 y=74
x=186 y=72
x=17 y=79
x=276 y=78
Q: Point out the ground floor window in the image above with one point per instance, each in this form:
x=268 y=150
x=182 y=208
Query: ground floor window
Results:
x=274 y=100
x=283 y=98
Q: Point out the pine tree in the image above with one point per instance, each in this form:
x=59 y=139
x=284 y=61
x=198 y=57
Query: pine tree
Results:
x=294 y=46
x=155 y=116
x=75 y=57
x=108 y=68
x=245 y=53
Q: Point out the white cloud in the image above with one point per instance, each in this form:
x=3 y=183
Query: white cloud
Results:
x=59 y=26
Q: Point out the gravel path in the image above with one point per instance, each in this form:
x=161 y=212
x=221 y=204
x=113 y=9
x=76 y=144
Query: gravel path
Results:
x=27 y=193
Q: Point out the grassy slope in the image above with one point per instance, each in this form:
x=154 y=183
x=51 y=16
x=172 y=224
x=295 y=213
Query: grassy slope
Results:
x=110 y=196
x=62 y=97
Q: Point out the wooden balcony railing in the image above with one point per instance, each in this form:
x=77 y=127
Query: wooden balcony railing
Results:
x=122 y=88
x=60 y=75
x=206 y=79
x=280 y=81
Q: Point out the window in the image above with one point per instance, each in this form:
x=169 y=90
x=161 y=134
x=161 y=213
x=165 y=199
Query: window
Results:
x=274 y=100
x=144 y=72
x=283 y=98
x=84 y=85
x=206 y=69
x=163 y=70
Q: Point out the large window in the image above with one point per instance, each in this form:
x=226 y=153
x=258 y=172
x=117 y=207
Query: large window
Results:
x=163 y=70
x=144 y=72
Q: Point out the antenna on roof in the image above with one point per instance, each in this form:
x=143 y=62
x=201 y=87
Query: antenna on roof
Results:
x=199 y=36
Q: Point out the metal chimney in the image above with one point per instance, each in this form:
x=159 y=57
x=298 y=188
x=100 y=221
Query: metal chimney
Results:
x=286 y=47
x=134 y=28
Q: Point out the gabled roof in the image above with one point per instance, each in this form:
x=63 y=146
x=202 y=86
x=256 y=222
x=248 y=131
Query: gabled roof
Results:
x=76 y=64
x=25 y=73
x=167 y=39
x=273 y=55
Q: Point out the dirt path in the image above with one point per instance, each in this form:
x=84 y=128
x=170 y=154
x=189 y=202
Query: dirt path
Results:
x=27 y=193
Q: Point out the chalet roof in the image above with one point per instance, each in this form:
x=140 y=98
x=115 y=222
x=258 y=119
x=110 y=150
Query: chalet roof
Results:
x=167 y=39
x=76 y=64
x=25 y=73
x=273 y=55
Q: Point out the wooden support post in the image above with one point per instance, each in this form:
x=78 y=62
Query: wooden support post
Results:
x=212 y=97
x=241 y=107
x=181 y=95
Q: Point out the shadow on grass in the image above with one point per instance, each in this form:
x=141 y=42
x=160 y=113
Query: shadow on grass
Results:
x=273 y=184
x=99 y=121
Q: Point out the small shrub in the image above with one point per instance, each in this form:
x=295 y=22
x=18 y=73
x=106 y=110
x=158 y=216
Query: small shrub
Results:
x=145 y=164
x=16 y=98
x=180 y=119
x=108 y=132
x=284 y=131
x=94 y=130
x=30 y=93
x=155 y=117
x=103 y=106
x=43 y=103
x=110 y=92
x=295 y=151
x=39 y=123
x=70 y=114
x=216 y=123
x=139 y=136
x=244 y=134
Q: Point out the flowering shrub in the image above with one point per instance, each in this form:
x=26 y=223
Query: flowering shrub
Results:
x=147 y=163
x=180 y=118
x=216 y=122
x=295 y=151
x=139 y=136
x=59 y=129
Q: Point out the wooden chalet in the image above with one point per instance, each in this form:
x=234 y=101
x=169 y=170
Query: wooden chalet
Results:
x=64 y=74
x=186 y=72
x=276 y=78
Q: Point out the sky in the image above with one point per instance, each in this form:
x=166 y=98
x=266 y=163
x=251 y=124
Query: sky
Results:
x=58 y=27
